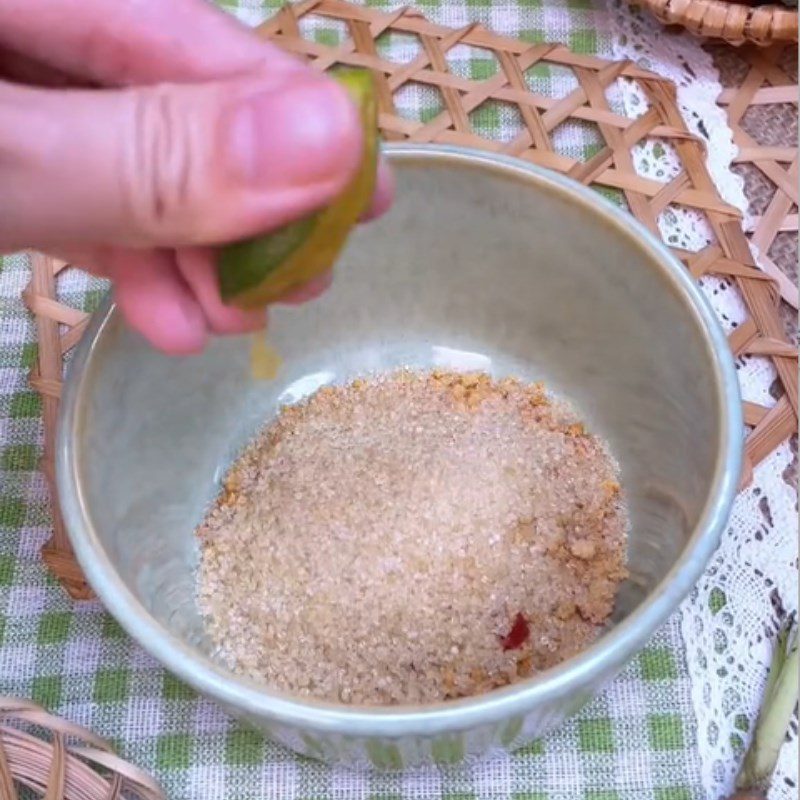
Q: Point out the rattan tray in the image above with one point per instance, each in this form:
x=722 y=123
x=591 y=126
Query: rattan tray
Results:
x=609 y=167
x=736 y=23
x=762 y=112
x=54 y=759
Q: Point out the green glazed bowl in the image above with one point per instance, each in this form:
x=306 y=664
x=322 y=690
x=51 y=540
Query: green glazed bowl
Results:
x=484 y=263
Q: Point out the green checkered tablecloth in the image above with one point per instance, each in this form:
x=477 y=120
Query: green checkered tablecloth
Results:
x=635 y=742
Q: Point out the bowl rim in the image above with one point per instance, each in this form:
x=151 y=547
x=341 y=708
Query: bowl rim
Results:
x=573 y=677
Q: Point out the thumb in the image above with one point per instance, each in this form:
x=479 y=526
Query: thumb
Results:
x=171 y=164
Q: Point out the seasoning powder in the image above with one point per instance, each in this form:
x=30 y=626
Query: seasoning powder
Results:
x=413 y=538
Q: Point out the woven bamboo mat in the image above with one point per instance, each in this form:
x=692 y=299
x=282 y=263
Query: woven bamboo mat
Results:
x=54 y=759
x=761 y=98
x=508 y=88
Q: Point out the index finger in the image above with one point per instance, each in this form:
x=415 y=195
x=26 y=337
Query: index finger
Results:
x=147 y=41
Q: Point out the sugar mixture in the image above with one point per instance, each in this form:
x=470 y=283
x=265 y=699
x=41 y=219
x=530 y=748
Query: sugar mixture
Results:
x=413 y=538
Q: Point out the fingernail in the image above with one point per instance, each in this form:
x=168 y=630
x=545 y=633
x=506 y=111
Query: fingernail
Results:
x=301 y=133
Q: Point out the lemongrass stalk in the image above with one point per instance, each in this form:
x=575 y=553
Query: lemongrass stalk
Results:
x=780 y=699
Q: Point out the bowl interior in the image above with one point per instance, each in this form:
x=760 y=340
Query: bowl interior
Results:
x=476 y=267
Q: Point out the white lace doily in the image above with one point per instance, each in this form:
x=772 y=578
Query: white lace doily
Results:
x=730 y=621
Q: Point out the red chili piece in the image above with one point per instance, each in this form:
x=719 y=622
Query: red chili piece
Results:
x=518 y=635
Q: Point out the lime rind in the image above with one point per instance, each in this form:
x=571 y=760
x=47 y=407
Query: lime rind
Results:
x=258 y=271
x=243 y=265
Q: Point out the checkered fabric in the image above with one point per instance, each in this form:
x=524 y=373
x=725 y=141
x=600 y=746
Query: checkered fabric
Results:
x=635 y=742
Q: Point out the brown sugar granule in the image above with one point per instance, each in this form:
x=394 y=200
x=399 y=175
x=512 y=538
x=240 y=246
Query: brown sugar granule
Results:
x=413 y=538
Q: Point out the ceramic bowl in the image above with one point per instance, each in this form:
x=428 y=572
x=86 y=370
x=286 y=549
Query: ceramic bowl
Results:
x=484 y=263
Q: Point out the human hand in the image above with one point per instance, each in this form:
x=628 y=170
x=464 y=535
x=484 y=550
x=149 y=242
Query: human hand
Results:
x=137 y=134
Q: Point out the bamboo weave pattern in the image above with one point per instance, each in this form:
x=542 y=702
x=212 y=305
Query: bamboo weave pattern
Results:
x=608 y=167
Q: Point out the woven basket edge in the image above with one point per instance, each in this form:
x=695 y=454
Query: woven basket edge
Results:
x=735 y=23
